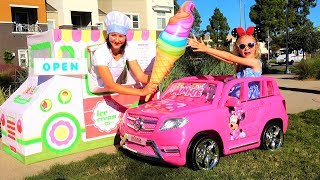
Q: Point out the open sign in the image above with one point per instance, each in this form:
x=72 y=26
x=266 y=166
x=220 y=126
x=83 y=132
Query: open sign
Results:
x=60 y=66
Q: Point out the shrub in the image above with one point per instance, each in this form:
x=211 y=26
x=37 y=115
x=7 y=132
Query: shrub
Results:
x=5 y=79
x=272 y=61
x=11 y=77
x=10 y=68
x=8 y=57
x=8 y=73
x=2 y=97
x=309 y=69
x=18 y=78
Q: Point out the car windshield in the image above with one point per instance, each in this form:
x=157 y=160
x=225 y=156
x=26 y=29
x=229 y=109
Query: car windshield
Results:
x=198 y=93
x=282 y=52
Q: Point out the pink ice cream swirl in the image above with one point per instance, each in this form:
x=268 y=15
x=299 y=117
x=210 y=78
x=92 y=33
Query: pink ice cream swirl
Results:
x=180 y=24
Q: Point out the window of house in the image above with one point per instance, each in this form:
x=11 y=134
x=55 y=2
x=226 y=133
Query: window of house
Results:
x=24 y=18
x=51 y=24
x=135 y=20
x=100 y=26
x=81 y=20
x=76 y=21
x=23 y=58
x=161 y=20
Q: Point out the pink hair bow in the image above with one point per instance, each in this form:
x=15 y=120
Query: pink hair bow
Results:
x=239 y=31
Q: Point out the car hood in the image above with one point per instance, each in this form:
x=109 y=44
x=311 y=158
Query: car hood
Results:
x=164 y=106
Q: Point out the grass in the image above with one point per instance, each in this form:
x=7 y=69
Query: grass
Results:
x=297 y=159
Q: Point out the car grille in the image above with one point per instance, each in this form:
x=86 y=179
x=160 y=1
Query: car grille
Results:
x=145 y=150
x=142 y=124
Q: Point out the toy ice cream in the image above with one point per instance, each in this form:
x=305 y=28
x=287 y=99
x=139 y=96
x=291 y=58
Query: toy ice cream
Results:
x=172 y=42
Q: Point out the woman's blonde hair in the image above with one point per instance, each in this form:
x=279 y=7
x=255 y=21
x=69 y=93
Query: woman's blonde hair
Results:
x=236 y=48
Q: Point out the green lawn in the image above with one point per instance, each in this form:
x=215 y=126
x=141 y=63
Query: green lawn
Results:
x=297 y=159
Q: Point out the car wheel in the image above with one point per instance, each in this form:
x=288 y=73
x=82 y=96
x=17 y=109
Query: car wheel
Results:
x=291 y=62
x=204 y=153
x=272 y=137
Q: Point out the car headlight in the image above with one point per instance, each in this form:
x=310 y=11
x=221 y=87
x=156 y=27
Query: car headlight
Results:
x=173 y=123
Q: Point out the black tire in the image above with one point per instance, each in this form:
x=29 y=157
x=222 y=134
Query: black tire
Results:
x=272 y=136
x=204 y=153
x=291 y=62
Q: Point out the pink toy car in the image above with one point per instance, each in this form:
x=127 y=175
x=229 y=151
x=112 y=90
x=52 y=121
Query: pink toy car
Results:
x=197 y=119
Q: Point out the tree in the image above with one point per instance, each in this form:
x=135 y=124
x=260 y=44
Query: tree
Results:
x=301 y=10
x=176 y=6
x=196 y=24
x=271 y=16
x=306 y=38
x=218 y=28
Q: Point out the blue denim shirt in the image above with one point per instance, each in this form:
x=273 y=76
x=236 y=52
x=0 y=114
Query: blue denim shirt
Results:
x=254 y=91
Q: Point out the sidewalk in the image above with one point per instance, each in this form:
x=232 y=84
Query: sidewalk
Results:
x=299 y=95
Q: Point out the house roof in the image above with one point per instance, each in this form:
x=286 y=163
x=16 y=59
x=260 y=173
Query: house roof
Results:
x=50 y=8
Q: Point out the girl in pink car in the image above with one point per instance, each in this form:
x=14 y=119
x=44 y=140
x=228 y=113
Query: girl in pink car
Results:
x=245 y=57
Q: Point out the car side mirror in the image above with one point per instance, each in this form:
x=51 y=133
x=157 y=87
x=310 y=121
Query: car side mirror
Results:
x=232 y=102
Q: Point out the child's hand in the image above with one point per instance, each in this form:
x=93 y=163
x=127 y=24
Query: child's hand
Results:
x=198 y=46
x=150 y=88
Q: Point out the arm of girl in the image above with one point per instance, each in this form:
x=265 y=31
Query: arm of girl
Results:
x=222 y=55
x=118 y=88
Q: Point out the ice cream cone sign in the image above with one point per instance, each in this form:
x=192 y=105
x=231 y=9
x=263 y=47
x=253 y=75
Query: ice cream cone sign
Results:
x=172 y=42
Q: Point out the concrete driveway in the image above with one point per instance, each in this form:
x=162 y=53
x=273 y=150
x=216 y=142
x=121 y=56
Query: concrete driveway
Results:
x=299 y=95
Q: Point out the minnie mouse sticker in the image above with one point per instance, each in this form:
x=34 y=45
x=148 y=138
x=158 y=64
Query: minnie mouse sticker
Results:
x=235 y=118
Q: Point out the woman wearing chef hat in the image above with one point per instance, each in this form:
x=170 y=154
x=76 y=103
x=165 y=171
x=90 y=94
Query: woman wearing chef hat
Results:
x=110 y=58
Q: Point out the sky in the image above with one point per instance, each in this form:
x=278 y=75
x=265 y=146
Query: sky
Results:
x=231 y=10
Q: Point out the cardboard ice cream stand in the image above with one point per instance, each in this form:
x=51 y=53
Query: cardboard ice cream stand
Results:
x=61 y=109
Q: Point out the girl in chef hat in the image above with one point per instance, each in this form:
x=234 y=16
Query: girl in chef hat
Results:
x=110 y=58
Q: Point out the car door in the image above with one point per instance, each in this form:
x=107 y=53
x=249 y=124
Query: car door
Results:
x=244 y=117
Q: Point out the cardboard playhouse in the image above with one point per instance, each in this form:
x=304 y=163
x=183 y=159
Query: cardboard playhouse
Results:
x=60 y=109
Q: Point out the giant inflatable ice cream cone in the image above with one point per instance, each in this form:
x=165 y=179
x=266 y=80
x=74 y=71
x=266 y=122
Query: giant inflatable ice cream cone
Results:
x=172 y=42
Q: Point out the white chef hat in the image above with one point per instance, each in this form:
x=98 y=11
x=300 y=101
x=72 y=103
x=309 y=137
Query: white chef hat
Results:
x=117 y=22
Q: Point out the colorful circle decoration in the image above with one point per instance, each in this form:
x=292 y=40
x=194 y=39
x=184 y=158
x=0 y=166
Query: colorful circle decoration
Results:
x=61 y=132
x=46 y=105
x=64 y=96
x=19 y=126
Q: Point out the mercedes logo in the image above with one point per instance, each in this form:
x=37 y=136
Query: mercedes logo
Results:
x=138 y=123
